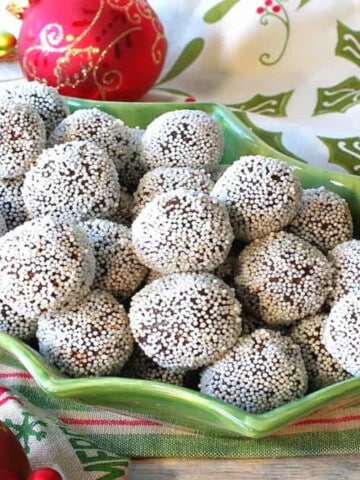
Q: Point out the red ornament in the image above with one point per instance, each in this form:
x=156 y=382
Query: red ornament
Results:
x=97 y=49
x=268 y=3
x=45 y=474
x=276 y=8
x=14 y=464
x=260 y=10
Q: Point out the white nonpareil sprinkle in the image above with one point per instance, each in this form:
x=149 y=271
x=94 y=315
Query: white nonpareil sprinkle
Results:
x=165 y=179
x=185 y=320
x=324 y=219
x=45 y=265
x=182 y=231
x=90 y=340
x=345 y=265
x=262 y=195
x=182 y=138
x=75 y=180
x=261 y=372
x=118 y=270
x=281 y=278
x=322 y=368
x=45 y=100
x=22 y=138
x=341 y=334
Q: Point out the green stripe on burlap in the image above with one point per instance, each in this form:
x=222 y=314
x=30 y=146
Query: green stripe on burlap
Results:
x=308 y=444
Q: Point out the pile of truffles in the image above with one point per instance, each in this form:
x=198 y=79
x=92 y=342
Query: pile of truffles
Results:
x=133 y=252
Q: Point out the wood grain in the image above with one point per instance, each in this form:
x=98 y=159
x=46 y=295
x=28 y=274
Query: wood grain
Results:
x=309 y=468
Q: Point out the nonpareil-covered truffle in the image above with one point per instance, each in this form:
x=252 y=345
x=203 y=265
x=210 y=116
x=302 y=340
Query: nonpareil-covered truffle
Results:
x=118 y=270
x=123 y=212
x=341 y=334
x=93 y=125
x=281 y=278
x=185 y=320
x=89 y=340
x=324 y=219
x=12 y=206
x=345 y=266
x=262 y=195
x=263 y=371
x=182 y=138
x=132 y=168
x=182 y=231
x=75 y=180
x=17 y=325
x=140 y=366
x=45 y=100
x=22 y=138
x=322 y=368
x=165 y=179
x=45 y=265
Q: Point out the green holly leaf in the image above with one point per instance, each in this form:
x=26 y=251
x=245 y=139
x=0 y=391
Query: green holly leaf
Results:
x=344 y=152
x=348 y=45
x=273 y=106
x=274 y=139
x=302 y=3
x=218 y=11
x=188 y=56
x=338 y=98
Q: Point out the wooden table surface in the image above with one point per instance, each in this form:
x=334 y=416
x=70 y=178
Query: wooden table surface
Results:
x=308 y=468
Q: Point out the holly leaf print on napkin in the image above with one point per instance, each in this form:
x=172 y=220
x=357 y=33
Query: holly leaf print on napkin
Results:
x=338 y=98
x=188 y=56
x=218 y=11
x=302 y=3
x=271 y=105
x=348 y=45
x=344 y=152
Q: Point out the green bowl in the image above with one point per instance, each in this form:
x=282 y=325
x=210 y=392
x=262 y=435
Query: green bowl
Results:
x=176 y=405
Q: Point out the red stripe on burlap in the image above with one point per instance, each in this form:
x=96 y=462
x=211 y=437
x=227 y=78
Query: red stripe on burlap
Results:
x=134 y=423
x=15 y=375
x=319 y=421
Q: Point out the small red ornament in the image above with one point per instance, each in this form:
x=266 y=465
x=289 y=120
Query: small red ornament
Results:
x=14 y=464
x=276 y=8
x=97 y=49
x=260 y=10
x=45 y=474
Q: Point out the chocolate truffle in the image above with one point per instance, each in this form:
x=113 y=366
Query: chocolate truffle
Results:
x=118 y=269
x=322 y=368
x=324 y=219
x=12 y=206
x=182 y=231
x=45 y=265
x=22 y=138
x=182 y=138
x=185 y=320
x=89 y=340
x=165 y=179
x=345 y=265
x=341 y=334
x=263 y=371
x=262 y=195
x=45 y=100
x=281 y=278
x=75 y=180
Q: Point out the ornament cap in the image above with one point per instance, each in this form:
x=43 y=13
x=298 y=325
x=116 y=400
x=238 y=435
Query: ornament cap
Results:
x=17 y=8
